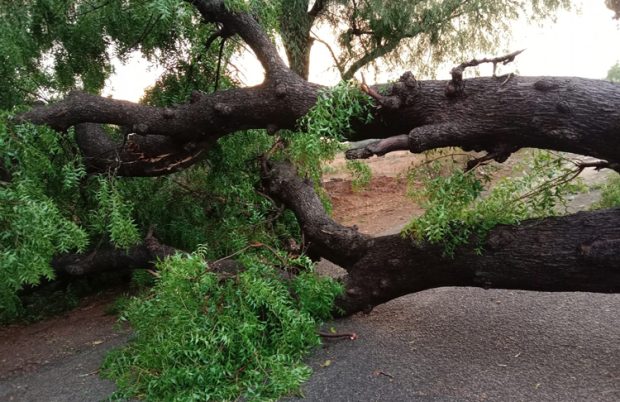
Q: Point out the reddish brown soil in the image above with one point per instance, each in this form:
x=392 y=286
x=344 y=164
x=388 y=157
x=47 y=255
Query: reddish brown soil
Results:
x=383 y=205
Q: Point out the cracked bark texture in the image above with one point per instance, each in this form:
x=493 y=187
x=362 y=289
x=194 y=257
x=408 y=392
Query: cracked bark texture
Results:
x=575 y=115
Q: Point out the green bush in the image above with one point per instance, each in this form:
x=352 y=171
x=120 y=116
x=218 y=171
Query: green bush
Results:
x=361 y=175
x=610 y=194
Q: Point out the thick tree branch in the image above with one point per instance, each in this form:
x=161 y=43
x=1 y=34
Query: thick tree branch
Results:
x=573 y=253
x=248 y=29
x=496 y=115
x=566 y=114
x=110 y=259
x=575 y=115
x=335 y=242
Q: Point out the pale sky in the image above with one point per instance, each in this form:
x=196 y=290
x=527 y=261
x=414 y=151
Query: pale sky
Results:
x=581 y=43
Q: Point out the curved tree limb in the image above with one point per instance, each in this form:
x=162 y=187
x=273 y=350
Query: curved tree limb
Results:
x=575 y=115
x=247 y=28
x=572 y=253
x=331 y=240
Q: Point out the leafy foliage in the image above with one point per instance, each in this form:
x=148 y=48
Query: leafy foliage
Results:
x=324 y=126
x=34 y=226
x=610 y=194
x=201 y=338
x=360 y=174
x=49 y=207
x=50 y=47
x=459 y=209
x=421 y=34
x=613 y=74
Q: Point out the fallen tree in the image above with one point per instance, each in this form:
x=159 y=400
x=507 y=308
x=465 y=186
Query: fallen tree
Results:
x=572 y=253
x=498 y=114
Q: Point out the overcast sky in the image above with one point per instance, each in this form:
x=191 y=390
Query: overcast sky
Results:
x=583 y=43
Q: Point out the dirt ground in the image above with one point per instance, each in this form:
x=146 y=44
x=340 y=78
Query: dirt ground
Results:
x=57 y=359
x=383 y=204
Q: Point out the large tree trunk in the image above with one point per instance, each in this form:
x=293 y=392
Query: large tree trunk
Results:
x=498 y=115
x=579 y=252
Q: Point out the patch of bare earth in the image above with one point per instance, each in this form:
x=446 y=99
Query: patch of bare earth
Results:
x=381 y=206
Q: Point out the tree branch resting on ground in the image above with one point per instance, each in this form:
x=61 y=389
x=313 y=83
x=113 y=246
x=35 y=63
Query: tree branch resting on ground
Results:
x=572 y=253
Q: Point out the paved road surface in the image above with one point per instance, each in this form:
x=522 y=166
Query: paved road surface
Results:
x=449 y=344
x=463 y=344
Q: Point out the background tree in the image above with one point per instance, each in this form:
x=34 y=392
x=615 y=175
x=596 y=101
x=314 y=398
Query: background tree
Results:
x=613 y=74
x=418 y=34
x=615 y=6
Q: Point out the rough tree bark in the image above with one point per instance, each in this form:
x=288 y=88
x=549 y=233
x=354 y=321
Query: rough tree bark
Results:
x=104 y=259
x=495 y=114
x=579 y=252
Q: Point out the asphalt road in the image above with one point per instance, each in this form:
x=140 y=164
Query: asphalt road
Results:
x=70 y=378
x=465 y=344
x=449 y=344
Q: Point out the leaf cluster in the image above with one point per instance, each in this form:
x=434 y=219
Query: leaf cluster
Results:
x=361 y=175
x=327 y=123
x=49 y=47
x=425 y=33
x=610 y=194
x=613 y=74
x=203 y=338
x=461 y=207
x=49 y=206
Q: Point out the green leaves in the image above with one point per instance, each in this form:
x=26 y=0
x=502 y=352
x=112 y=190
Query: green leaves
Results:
x=36 y=203
x=458 y=208
x=325 y=125
x=203 y=338
x=113 y=214
x=360 y=174
x=610 y=194
x=613 y=74
x=426 y=33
